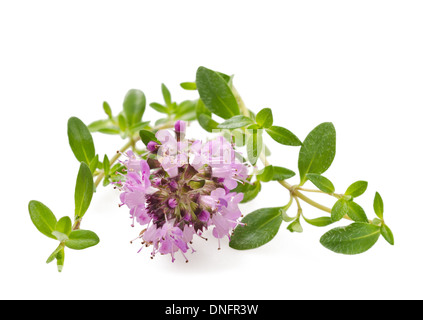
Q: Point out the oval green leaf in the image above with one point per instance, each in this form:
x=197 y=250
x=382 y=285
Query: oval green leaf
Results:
x=356 y=189
x=82 y=239
x=80 y=140
x=387 y=234
x=216 y=93
x=236 y=122
x=318 y=151
x=319 y=222
x=339 y=210
x=356 y=212
x=321 y=182
x=261 y=226
x=42 y=218
x=265 y=118
x=353 y=239
x=64 y=225
x=280 y=173
x=134 y=106
x=84 y=190
x=378 y=205
x=283 y=136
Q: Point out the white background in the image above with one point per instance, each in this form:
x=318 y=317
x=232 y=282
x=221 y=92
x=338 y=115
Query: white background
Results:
x=357 y=64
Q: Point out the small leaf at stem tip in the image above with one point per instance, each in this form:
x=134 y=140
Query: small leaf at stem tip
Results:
x=42 y=217
x=356 y=189
x=134 y=106
x=318 y=151
x=295 y=226
x=319 y=222
x=235 y=122
x=54 y=254
x=265 y=118
x=254 y=146
x=84 y=190
x=387 y=234
x=378 y=205
x=216 y=93
x=353 y=239
x=339 y=210
x=356 y=212
x=82 y=239
x=94 y=163
x=106 y=165
x=159 y=107
x=321 y=182
x=260 y=227
x=189 y=85
x=166 y=95
x=80 y=140
x=64 y=225
x=107 y=110
x=147 y=136
x=60 y=257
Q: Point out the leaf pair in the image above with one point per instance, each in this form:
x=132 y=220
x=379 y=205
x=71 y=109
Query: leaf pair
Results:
x=45 y=221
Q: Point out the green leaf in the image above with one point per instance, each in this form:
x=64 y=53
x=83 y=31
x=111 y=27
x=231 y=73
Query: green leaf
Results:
x=80 y=140
x=265 y=118
x=353 y=239
x=134 y=106
x=166 y=95
x=54 y=254
x=283 y=136
x=356 y=213
x=189 y=85
x=250 y=191
x=84 y=190
x=42 y=217
x=295 y=226
x=107 y=110
x=159 y=107
x=319 y=222
x=186 y=110
x=204 y=117
x=82 y=239
x=122 y=122
x=236 y=122
x=318 y=151
x=64 y=225
x=94 y=163
x=378 y=205
x=60 y=257
x=280 y=173
x=261 y=226
x=216 y=93
x=266 y=175
x=254 y=146
x=356 y=189
x=324 y=184
x=147 y=136
x=106 y=165
x=103 y=126
x=387 y=234
x=339 y=210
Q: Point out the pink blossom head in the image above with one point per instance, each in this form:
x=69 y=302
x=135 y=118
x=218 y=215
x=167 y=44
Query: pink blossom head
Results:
x=183 y=190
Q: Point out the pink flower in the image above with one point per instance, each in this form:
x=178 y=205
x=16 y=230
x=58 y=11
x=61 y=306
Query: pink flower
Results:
x=186 y=193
